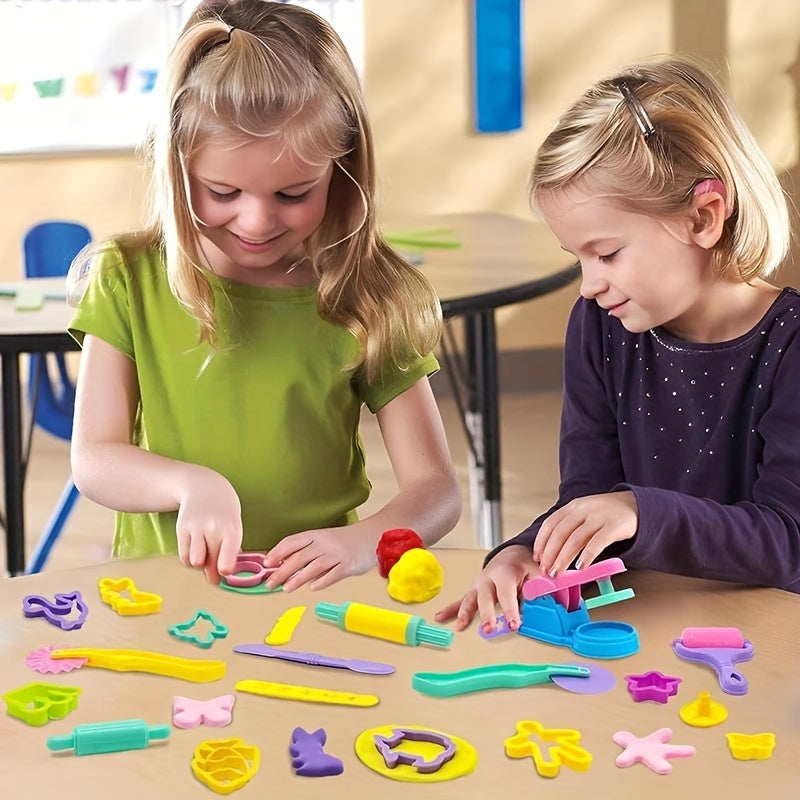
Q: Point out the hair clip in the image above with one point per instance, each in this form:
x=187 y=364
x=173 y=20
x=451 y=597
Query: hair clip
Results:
x=637 y=109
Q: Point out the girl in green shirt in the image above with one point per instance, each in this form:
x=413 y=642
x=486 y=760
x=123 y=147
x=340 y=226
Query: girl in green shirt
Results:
x=229 y=347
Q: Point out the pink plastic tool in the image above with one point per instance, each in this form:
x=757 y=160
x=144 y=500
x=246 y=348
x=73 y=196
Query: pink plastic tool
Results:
x=566 y=588
x=250 y=571
x=719 y=648
x=41 y=660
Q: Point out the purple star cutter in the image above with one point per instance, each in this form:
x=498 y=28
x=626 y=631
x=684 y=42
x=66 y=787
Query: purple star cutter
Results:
x=652 y=685
x=392 y=758
x=309 y=759
x=57 y=610
x=500 y=628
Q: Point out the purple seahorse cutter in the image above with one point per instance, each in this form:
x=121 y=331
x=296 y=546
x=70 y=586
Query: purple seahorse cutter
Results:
x=57 y=611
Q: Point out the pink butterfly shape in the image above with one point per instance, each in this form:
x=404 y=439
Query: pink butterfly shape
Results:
x=188 y=713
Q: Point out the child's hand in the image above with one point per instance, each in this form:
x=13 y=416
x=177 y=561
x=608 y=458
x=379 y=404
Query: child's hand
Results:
x=321 y=557
x=500 y=581
x=209 y=526
x=584 y=527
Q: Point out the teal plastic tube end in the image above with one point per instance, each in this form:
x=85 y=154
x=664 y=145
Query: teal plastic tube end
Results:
x=425 y=633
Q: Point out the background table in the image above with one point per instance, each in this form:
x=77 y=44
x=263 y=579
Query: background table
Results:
x=37 y=331
x=663 y=606
x=502 y=260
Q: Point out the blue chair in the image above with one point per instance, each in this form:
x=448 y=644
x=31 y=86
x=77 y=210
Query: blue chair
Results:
x=49 y=248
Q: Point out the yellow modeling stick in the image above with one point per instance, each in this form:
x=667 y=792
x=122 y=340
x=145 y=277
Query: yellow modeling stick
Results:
x=188 y=669
x=288 y=691
x=283 y=629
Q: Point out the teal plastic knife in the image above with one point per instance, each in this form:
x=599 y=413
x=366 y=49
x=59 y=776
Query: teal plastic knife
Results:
x=493 y=676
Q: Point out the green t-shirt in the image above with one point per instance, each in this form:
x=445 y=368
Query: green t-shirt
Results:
x=274 y=410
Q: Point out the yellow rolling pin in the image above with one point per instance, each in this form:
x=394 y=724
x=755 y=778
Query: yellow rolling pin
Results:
x=382 y=623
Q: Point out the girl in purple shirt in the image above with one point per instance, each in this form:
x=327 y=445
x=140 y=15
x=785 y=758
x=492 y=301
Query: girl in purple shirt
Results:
x=680 y=431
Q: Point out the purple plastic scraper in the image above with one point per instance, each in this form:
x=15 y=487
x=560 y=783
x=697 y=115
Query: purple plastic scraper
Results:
x=315 y=660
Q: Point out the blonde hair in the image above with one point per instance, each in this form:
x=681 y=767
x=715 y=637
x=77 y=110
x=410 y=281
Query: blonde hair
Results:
x=252 y=69
x=696 y=134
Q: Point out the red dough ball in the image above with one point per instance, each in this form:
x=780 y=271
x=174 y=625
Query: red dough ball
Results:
x=393 y=544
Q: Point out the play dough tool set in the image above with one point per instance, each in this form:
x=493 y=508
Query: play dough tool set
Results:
x=554 y=613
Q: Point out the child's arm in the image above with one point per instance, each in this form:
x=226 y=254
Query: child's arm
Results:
x=112 y=471
x=428 y=499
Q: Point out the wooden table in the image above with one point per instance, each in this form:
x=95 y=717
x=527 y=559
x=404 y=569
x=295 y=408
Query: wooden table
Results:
x=663 y=606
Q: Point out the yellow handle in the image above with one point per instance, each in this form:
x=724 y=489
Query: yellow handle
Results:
x=189 y=669
x=288 y=691
x=383 y=623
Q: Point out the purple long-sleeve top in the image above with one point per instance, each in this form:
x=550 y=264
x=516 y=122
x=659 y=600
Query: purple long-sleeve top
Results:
x=706 y=436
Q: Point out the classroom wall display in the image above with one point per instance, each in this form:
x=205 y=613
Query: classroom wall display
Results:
x=81 y=75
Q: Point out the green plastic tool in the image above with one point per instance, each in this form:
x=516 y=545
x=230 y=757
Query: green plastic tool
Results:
x=109 y=737
x=493 y=676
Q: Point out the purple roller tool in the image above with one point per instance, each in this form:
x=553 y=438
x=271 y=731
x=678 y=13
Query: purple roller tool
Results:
x=315 y=660
x=719 y=648
x=57 y=610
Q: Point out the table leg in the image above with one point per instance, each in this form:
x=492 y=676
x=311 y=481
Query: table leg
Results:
x=483 y=423
x=12 y=461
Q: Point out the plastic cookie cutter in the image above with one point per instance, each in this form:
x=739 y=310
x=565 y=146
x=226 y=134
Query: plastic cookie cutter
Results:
x=67 y=610
x=38 y=703
x=652 y=685
x=225 y=765
x=249 y=575
x=284 y=626
x=315 y=659
x=493 y=676
x=307 y=694
x=553 y=611
x=109 y=737
x=187 y=669
x=189 y=713
x=124 y=598
x=562 y=748
x=750 y=746
x=386 y=747
x=410 y=747
x=703 y=712
x=309 y=760
x=186 y=631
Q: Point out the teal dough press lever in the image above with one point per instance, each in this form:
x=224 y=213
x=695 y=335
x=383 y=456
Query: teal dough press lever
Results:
x=493 y=676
